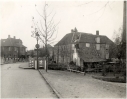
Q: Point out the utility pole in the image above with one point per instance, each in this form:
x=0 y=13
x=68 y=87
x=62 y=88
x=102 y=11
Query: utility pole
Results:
x=124 y=32
x=37 y=46
x=37 y=53
x=58 y=56
x=46 y=57
x=124 y=22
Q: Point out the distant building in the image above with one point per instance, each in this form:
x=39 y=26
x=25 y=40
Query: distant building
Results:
x=41 y=52
x=12 y=48
x=84 y=47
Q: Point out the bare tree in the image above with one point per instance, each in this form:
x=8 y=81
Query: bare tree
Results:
x=121 y=50
x=46 y=29
x=117 y=36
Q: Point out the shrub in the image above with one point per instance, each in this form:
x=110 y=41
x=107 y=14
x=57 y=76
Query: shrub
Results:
x=54 y=66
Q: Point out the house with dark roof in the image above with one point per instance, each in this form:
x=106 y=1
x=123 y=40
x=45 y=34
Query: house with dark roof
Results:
x=82 y=47
x=12 y=48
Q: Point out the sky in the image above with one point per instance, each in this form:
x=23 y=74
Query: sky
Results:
x=87 y=16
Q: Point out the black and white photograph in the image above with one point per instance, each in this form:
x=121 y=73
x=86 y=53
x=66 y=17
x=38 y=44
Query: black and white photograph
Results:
x=63 y=49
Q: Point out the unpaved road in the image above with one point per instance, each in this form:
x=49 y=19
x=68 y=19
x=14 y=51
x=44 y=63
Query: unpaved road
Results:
x=72 y=85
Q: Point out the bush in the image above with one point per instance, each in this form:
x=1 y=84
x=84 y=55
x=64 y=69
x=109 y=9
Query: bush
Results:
x=63 y=67
x=54 y=66
x=79 y=68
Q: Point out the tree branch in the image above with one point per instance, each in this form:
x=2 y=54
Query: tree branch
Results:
x=85 y=3
x=40 y=14
x=51 y=20
x=99 y=9
x=42 y=40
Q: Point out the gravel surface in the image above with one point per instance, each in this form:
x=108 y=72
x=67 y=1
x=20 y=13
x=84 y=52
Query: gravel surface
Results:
x=23 y=83
x=75 y=85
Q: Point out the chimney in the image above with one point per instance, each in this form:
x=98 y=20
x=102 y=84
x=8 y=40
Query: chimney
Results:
x=75 y=29
x=72 y=30
x=14 y=37
x=9 y=36
x=97 y=32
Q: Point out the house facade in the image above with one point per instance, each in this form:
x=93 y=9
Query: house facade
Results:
x=12 y=48
x=84 y=47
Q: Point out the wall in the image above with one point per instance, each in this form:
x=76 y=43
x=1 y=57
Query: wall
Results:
x=9 y=53
x=64 y=52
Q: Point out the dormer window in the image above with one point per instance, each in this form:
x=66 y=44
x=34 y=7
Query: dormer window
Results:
x=87 y=44
x=98 y=39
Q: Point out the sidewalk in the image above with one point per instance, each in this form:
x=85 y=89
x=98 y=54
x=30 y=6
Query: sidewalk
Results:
x=75 y=85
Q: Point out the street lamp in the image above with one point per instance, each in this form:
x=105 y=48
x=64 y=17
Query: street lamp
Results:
x=37 y=45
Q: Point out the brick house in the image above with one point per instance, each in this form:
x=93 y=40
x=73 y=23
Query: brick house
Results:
x=84 y=47
x=12 y=48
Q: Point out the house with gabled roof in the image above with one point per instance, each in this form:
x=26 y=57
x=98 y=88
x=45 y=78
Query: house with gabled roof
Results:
x=12 y=48
x=82 y=47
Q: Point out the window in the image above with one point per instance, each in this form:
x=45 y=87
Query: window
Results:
x=107 y=46
x=98 y=39
x=3 y=48
x=97 y=46
x=15 y=49
x=9 y=48
x=107 y=55
x=87 y=44
x=73 y=46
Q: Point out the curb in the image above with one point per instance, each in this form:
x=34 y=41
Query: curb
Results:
x=25 y=68
x=53 y=89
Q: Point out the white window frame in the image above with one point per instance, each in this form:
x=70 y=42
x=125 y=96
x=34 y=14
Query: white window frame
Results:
x=98 y=39
x=87 y=44
x=98 y=46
